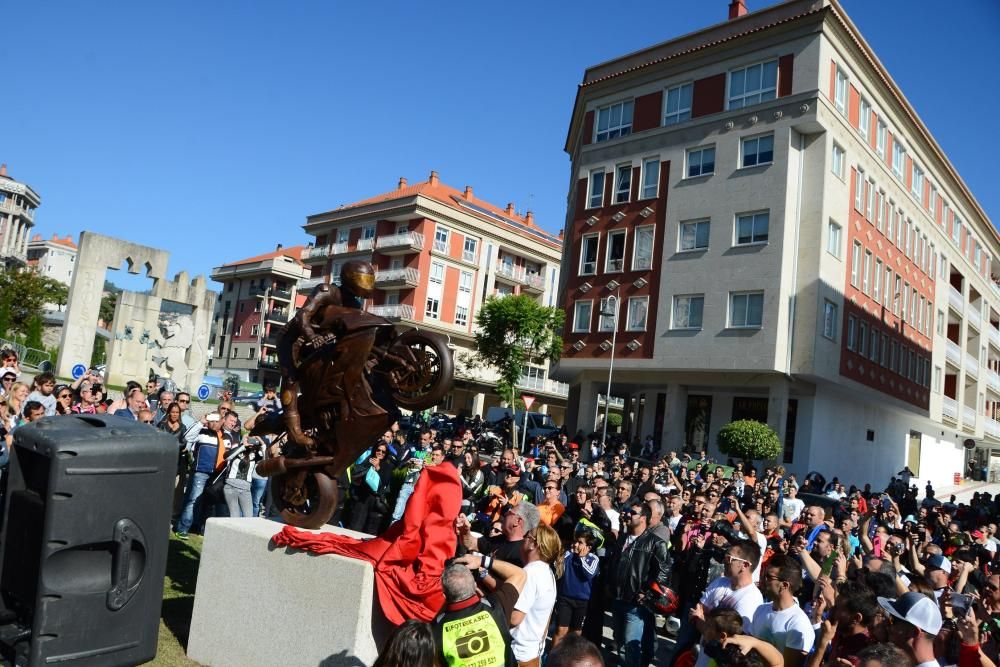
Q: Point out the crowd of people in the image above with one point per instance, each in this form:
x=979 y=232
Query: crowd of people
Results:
x=736 y=564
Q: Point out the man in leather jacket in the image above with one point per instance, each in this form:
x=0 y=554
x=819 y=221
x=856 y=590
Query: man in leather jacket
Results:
x=642 y=560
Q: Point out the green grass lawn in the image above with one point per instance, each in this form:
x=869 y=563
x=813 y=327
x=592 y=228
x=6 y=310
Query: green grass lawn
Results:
x=178 y=601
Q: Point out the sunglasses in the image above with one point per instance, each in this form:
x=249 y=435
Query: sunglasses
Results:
x=61 y=396
x=147 y=421
x=8 y=379
x=183 y=400
x=551 y=488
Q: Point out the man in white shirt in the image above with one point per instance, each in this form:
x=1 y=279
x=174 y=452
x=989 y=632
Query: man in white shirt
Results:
x=735 y=590
x=791 y=507
x=781 y=622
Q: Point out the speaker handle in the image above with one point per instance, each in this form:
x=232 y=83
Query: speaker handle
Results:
x=126 y=532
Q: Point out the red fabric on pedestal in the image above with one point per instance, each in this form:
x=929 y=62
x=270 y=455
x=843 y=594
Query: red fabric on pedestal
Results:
x=408 y=558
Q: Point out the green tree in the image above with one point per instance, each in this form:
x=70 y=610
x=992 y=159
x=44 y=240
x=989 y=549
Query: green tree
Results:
x=514 y=330
x=26 y=294
x=100 y=353
x=4 y=316
x=33 y=333
x=748 y=439
x=614 y=421
x=107 y=310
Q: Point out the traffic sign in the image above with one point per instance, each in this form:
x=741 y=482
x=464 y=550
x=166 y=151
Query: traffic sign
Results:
x=78 y=371
x=528 y=400
x=204 y=392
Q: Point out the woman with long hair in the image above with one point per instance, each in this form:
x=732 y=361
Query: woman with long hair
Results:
x=410 y=645
x=473 y=481
x=541 y=552
x=18 y=395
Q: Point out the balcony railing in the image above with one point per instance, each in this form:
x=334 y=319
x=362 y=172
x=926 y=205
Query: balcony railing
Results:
x=968 y=417
x=994 y=335
x=269 y=362
x=545 y=385
x=971 y=365
x=393 y=311
x=366 y=244
x=975 y=319
x=469 y=256
x=319 y=251
x=278 y=315
x=9 y=206
x=441 y=246
x=949 y=408
x=953 y=353
x=991 y=427
x=955 y=299
x=273 y=337
x=281 y=293
x=407 y=275
x=534 y=280
x=400 y=242
x=993 y=380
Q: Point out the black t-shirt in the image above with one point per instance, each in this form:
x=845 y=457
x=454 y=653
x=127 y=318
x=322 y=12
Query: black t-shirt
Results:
x=502 y=549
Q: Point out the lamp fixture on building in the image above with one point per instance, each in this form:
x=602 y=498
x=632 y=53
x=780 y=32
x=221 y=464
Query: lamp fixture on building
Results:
x=591 y=221
x=646 y=212
x=618 y=217
x=633 y=345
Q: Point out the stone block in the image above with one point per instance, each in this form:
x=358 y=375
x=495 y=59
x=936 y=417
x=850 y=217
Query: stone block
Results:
x=256 y=604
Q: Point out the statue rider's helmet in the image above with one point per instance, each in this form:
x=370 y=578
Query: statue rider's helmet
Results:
x=357 y=279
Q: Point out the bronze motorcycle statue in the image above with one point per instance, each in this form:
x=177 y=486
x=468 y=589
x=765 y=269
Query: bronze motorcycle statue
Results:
x=345 y=374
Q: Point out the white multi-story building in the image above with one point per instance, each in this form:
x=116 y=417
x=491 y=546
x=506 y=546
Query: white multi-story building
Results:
x=775 y=235
x=17 y=216
x=53 y=258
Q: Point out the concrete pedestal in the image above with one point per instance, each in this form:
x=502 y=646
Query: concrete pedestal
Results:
x=256 y=604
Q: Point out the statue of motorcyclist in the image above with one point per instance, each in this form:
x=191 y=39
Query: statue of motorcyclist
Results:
x=331 y=316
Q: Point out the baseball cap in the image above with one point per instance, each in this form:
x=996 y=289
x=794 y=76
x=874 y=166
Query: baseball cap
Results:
x=938 y=562
x=978 y=534
x=916 y=609
x=514 y=470
x=573 y=445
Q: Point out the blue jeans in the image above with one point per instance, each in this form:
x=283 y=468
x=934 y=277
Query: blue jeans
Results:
x=404 y=495
x=195 y=490
x=635 y=631
x=257 y=487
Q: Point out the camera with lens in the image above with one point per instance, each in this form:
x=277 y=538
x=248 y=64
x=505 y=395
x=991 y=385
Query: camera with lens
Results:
x=726 y=530
x=472 y=644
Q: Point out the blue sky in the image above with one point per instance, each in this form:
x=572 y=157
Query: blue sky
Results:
x=211 y=129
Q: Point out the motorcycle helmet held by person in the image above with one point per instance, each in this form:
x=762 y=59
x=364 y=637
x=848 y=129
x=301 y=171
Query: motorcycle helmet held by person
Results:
x=357 y=282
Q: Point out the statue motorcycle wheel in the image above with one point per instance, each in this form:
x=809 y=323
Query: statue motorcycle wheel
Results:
x=340 y=391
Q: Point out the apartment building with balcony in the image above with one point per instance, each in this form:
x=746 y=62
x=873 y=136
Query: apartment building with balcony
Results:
x=784 y=241
x=439 y=252
x=258 y=297
x=54 y=258
x=17 y=217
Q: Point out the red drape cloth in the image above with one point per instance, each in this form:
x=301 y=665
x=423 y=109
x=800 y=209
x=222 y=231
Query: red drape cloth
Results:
x=408 y=558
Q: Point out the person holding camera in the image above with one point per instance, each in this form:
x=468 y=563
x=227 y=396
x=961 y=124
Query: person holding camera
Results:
x=475 y=630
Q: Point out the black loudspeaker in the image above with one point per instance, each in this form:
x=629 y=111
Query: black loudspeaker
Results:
x=83 y=549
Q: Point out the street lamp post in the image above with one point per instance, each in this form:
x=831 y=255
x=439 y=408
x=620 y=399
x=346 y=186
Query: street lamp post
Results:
x=612 y=312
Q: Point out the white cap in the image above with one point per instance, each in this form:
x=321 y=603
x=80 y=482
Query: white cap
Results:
x=213 y=417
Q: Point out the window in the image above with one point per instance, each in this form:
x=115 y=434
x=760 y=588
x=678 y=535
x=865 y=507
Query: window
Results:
x=637 y=309
x=898 y=159
x=758 y=150
x=852 y=332
x=908 y=240
x=881 y=139
x=606 y=323
x=870 y=206
x=678 y=107
x=880 y=211
x=650 y=177
x=837 y=161
x=687 y=311
x=251 y=352
x=917 y=186
x=896 y=295
x=856 y=265
x=701 y=161
x=862 y=347
x=581 y=315
x=746 y=309
x=868 y=269
x=865 y=119
x=462 y=315
x=944 y=267
x=642 y=251
x=753 y=84
x=873 y=345
x=614 y=120
x=956 y=230
x=465 y=282
x=877 y=281
x=236 y=352
x=859 y=190
x=937 y=379
x=833 y=231
x=437 y=272
x=932 y=201
x=256 y=307
x=254 y=330
x=616 y=252
x=596 y=198
x=751 y=228
x=840 y=91
x=441 y=235
x=588 y=254
x=883 y=357
x=433 y=308
x=694 y=235
x=906 y=300
x=469 y=249
x=623 y=183
x=368 y=232
x=830 y=320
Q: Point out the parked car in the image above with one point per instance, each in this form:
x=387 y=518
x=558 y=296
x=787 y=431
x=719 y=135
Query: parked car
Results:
x=540 y=425
x=248 y=399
